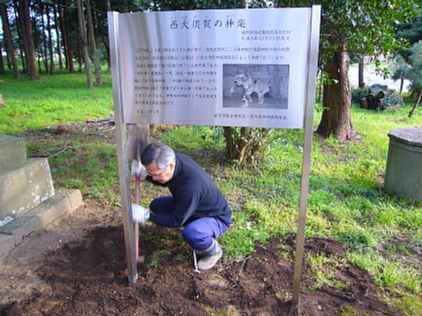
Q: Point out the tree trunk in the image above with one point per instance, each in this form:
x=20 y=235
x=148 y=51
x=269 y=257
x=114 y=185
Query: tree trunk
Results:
x=79 y=56
x=44 y=38
x=337 y=118
x=245 y=145
x=39 y=59
x=401 y=83
x=28 y=39
x=84 y=42
x=230 y=143
x=416 y=104
x=9 y=65
x=106 y=42
x=107 y=49
x=361 y=72
x=8 y=40
x=19 y=30
x=50 y=41
x=65 y=37
x=56 y=26
x=94 y=51
x=2 y=70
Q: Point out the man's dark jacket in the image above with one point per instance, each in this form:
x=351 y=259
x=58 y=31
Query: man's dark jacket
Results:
x=195 y=193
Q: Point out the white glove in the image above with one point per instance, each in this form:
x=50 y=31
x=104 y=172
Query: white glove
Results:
x=138 y=170
x=140 y=214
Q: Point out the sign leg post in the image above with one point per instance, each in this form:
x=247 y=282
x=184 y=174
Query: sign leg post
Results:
x=307 y=152
x=122 y=152
x=137 y=140
x=131 y=232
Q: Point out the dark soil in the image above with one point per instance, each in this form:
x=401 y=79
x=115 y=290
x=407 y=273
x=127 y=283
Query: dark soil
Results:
x=88 y=277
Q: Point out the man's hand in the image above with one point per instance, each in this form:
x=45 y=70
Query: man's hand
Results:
x=138 y=170
x=140 y=214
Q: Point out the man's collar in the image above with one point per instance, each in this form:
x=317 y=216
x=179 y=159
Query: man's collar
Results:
x=177 y=167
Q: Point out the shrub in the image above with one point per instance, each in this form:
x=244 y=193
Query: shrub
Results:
x=359 y=93
x=393 y=99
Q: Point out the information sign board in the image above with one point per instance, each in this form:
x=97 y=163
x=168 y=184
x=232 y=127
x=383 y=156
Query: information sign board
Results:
x=215 y=67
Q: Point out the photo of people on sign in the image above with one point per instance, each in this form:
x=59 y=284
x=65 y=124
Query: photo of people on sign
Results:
x=255 y=86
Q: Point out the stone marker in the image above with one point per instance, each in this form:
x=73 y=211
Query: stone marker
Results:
x=25 y=188
x=27 y=197
x=403 y=176
x=14 y=233
x=12 y=153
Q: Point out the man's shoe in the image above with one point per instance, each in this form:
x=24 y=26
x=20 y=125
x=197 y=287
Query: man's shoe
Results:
x=210 y=257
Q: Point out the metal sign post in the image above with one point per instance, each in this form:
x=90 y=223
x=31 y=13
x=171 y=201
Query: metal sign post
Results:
x=131 y=242
x=307 y=148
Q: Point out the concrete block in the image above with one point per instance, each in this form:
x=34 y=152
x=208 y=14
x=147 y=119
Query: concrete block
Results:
x=12 y=153
x=403 y=176
x=61 y=204
x=25 y=188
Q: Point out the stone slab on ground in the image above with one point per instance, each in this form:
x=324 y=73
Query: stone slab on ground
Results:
x=25 y=188
x=61 y=204
x=12 y=153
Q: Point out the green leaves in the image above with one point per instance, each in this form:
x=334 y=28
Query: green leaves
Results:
x=367 y=27
x=411 y=67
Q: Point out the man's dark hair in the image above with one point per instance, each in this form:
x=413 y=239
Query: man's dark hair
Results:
x=159 y=153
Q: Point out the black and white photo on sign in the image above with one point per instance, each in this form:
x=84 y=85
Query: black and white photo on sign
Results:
x=255 y=86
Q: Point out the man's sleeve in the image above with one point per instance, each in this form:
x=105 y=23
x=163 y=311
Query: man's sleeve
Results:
x=186 y=204
x=164 y=219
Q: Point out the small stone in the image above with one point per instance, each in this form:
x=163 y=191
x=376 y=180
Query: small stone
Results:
x=232 y=311
x=217 y=281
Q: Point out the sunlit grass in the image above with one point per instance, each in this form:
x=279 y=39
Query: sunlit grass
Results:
x=58 y=99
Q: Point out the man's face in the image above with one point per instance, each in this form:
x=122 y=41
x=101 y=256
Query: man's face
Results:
x=160 y=175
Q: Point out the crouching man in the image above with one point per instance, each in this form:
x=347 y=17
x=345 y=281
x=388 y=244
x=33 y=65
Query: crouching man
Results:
x=195 y=203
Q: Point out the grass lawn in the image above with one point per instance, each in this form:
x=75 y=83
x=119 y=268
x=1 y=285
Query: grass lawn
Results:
x=50 y=101
x=382 y=234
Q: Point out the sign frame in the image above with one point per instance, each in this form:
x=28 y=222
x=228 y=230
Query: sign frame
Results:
x=124 y=133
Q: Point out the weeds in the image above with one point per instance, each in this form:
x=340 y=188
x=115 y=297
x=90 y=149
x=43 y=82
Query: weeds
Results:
x=324 y=271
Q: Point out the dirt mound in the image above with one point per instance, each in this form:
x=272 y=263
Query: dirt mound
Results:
x=88 y=277
x=320 y=245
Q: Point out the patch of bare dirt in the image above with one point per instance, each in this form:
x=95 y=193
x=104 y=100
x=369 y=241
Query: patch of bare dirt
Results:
x=18 y=271
x=87 y=276
x=403 y=249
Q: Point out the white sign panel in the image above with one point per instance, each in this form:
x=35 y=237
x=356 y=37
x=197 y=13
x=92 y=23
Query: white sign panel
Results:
x=243 y=67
